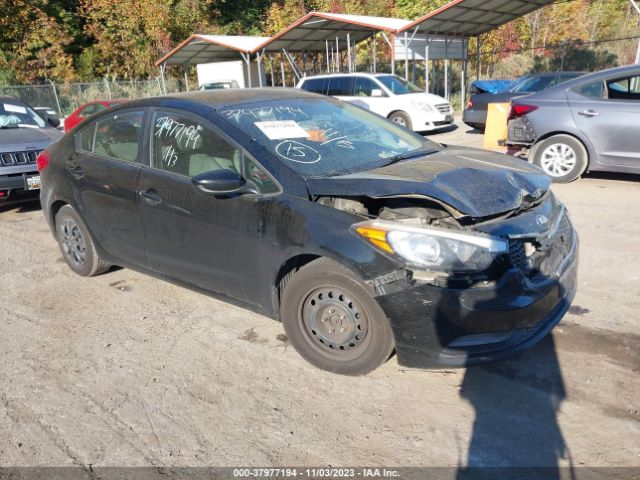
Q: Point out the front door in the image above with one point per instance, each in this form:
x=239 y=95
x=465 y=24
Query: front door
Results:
x=209 y=241
x=608 y=114
x=104 y=171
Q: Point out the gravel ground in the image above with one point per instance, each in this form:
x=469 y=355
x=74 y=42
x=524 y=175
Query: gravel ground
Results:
x=125 y=369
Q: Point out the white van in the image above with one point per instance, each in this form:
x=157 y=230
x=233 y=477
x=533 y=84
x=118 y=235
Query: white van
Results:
x=387 y=95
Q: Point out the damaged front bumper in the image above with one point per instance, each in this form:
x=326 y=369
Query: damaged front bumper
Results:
x=452 y=326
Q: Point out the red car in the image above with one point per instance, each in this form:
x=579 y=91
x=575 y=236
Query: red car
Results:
x=86 y=110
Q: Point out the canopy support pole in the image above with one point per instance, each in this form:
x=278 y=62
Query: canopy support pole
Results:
x=327 y=44
x=446 y=67
x=349 y=53
x=247 y=60
x=273 y=77
x=426 y=65
x=391 y=42
x=186 y=77
x=478 y=57
x=406 y=55
x=259 y=56
x=373 y=47
x=296 y=70
x=164 y=84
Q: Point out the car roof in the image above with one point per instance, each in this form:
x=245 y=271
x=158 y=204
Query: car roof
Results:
x=558 y=90
x=345 y=74
x=224 y=97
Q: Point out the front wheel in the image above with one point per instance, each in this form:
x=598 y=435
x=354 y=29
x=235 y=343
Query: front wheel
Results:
x=562 y=157
x=333 y=321
x=402 y=119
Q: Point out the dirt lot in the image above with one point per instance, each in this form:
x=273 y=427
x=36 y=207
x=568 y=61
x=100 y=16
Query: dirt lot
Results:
x=124 y=369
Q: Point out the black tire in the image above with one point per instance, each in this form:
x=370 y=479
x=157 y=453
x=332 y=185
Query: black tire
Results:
x=333 y=321
x=76 y=244
x=562 y=157
x=402 y=119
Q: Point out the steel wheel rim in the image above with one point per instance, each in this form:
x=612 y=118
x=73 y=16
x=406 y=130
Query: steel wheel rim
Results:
x=334 y=322
x=400 y=121
x=558 y=160
x=73 y=243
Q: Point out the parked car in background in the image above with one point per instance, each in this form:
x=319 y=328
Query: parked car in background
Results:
x=23 y=135
x=491 y=86
x=359 y=235
x=220 y=85
x=45 y=112
x=475 y=115
x=390 y=96
x=589 y=123
x=86 y=110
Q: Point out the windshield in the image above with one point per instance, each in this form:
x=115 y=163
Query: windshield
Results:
x=14 y=115
x=535 y=84
x=319 y=137
x=398 y=85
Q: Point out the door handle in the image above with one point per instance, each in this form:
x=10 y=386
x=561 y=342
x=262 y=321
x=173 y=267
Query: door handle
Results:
x=150 y=197
x=588 y=113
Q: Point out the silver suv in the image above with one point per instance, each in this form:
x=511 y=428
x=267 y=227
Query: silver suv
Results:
x=23 y=135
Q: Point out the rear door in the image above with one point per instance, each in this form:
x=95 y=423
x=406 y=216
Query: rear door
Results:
x=206 y=240
x=104 y=171
x=608 y=114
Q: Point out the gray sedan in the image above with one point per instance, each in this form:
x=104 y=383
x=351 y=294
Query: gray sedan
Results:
x=589 y=123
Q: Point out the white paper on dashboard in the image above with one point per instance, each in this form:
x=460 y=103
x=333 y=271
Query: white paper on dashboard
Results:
x=281 y=129
x=14 y=108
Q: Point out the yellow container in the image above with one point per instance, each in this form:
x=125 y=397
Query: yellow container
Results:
x=495 y=132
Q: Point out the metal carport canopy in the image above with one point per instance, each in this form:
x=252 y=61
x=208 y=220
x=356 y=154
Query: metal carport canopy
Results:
x=312 y=31
x=212 y=48
x=469 y=18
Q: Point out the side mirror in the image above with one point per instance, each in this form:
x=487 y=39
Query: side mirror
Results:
x=53 y=121
x=377 y=92
x=222 y=182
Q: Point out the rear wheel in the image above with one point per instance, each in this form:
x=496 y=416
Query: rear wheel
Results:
x=333 y=321
x=401 y=118
x=76 y=244
x=562 y=157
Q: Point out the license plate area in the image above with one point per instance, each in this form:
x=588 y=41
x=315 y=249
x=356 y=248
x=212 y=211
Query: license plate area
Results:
x=33 y=182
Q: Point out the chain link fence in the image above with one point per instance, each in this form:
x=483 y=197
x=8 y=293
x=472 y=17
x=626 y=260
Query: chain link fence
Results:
x=65 y=98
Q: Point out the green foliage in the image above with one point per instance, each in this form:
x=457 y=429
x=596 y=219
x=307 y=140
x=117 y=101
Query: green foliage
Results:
x=70 y=40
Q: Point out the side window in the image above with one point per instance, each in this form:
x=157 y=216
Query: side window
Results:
x=186 y=146
x=624 y=88
x=314 y=85
x=261 y=179
x=364 y=86
x=86 y=137
x=118 y=136
x=341 y=86
x=591 y=90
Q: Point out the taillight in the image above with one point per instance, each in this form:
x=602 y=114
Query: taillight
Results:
x=42 y=160
x=470 y=104
x=518 y=110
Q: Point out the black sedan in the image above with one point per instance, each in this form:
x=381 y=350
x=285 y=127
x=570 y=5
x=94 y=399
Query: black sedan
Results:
x=359 y=235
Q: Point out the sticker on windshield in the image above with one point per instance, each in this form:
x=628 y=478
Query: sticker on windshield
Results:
x=281 y=129
x=14 y=108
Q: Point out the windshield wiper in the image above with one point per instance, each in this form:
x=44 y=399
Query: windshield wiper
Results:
x=412 y=154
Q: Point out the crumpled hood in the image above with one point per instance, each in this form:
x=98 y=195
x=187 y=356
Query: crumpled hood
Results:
x=475 y=182
x=19 y=139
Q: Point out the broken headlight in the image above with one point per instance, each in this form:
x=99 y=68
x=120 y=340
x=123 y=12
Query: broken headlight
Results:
x=433 y=248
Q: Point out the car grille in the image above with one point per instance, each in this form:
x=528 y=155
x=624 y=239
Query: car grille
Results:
x=444 y=108
x=18 y=158
x=545 y=253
